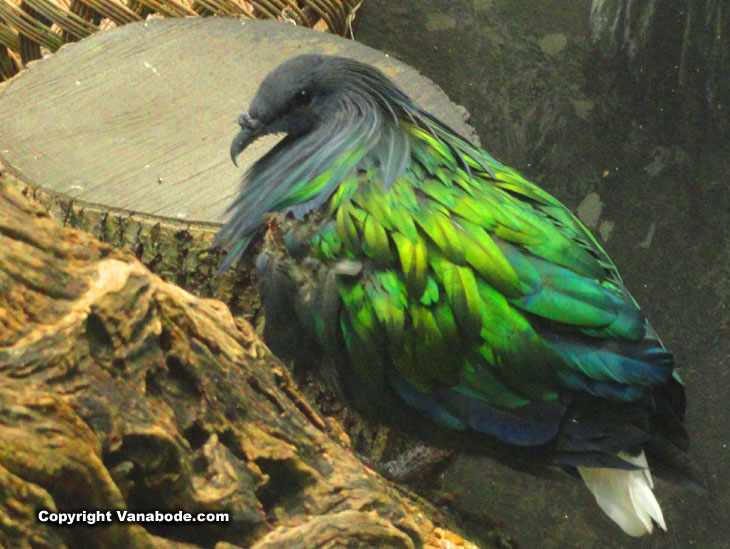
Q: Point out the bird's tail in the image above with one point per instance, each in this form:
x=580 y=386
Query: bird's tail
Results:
x=626 y=495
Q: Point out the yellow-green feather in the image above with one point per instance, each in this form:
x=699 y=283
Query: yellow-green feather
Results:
x=455 y=265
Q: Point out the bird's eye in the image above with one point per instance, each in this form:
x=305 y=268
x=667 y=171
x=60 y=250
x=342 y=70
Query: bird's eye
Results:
x=302 y=98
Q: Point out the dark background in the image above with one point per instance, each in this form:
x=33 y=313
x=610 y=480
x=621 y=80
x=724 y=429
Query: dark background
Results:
x=656 y=195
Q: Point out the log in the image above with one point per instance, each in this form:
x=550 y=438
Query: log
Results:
x=120 y=391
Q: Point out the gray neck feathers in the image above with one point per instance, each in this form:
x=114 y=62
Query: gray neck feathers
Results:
x=300 y=174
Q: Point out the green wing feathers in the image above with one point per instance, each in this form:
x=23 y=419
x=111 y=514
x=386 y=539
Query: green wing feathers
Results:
x=478 y=282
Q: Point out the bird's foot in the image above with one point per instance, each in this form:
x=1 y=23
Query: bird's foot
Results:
x=416 y=465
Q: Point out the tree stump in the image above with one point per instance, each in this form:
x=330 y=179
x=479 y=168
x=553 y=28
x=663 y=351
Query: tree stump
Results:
x=126 y=133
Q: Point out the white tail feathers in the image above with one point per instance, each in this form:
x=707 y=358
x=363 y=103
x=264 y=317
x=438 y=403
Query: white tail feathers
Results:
x=626 y=496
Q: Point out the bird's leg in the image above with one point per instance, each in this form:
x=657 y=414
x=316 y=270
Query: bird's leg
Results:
x=419 y=464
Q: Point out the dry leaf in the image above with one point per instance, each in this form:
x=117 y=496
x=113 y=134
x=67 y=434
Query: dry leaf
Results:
x=321 y=25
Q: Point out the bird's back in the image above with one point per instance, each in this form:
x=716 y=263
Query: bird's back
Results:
x=479 y=302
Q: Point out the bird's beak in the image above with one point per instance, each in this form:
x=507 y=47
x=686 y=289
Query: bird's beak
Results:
x=251 y=129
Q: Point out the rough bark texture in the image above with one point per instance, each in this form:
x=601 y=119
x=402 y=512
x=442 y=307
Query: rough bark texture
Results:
x=121 y=391
x=177 y=251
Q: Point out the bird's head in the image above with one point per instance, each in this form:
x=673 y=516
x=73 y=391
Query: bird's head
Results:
x=303 y=92
x=341 y=116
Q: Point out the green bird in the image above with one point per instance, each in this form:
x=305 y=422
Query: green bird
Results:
x=444 y=294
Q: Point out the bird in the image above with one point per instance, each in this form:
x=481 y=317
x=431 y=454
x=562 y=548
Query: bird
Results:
x=440 y=292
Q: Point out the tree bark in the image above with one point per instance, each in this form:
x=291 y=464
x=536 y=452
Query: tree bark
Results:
x=121 y=391
x=177 y=251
